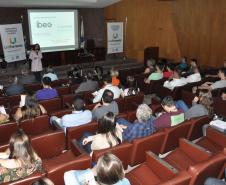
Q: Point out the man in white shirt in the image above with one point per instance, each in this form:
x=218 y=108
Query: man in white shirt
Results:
x=195 y=77
x=78 y=117
x=176 y=81
x=107 y=85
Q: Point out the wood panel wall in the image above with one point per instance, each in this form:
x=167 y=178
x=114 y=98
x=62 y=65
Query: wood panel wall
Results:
x=192 y=28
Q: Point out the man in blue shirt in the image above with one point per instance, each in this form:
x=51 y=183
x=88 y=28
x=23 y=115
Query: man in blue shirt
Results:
x=78 y=117
x=47 y=92
x=141 y=127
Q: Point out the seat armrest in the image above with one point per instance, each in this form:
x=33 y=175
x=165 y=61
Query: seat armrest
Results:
x=76 y=149
x=160 y=167
x=194 y=151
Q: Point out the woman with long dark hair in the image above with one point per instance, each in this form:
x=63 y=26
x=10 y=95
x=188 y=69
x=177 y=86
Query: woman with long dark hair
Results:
x=20 y=160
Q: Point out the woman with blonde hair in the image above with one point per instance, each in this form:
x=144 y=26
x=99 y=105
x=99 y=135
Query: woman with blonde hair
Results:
x=109 y=170
x=19 y=160
x=142 y=127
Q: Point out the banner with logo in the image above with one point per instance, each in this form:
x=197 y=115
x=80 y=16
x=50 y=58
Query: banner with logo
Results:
x=115 y=37
x=12 y=42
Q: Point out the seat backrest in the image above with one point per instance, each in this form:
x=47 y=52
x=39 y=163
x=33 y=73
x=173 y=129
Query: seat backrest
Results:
x=14 y=100
x=120 y=102
x=61 y=113
x=131 y=116
x=51 y=105
x=142 y=145
x=132 y=102
x=27 y=180
x=50 y=144
x=172 y=135
x=58 y=83
x=4 y=101
x=6 y=130
x=73 y=88
x=187 y=97
x=35 y=126
x=122 y=151
x=33 y=87
x=216 y=137
x=195 y=131
x=77 y=132
x=67 y=99
x=63 y=90
x=209 y=168
x=218 y=105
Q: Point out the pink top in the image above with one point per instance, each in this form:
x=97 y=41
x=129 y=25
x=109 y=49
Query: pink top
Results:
x=36 y=63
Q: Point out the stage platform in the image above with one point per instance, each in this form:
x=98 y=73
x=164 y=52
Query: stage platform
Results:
x=61 y=71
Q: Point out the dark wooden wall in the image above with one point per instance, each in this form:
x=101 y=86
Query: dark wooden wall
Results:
x=192 y=28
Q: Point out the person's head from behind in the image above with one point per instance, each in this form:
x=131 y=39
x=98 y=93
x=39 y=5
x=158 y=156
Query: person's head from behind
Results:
x=193 y=62
x=13 y=80
x=143 y=113
x=151 y=63
x=31 y=108
x=114 y=73
x=109 y=169
x=159 y=67
x=43 y=181
x=107 y=79
x=20 y=147
x=24 y=71
x=168 y=104
x=46 y=82
x=222 y=74
x=107 y=96
x=78 y=104
x=176 y=73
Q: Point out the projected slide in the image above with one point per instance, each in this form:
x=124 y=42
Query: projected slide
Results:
x=54 y=30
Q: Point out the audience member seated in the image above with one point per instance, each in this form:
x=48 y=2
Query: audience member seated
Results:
x=177 y=80
x=107 y=105
x=51 y=74
x=150 y=66
x=171 y=117
x=210 y=73
x=75 y=75
x=114 y=77
x=109 y=134
x=15 y=88
x=142 y=127
x=19 y=160
x=78 y=117
x=218 y=84
x=26 y=78
x=109 y=170
x=107 y=85
x=168 y=72
x=215 y=181
x=47 y=92
x=193 y=65
x=195 y=76
x=88 y=83
x=43 y=181
x=183 y=66
x=30 y=108
x=157 y=74
x=131 y=87
x=98 y=73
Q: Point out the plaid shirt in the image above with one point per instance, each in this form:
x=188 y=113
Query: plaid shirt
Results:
x=136 y=129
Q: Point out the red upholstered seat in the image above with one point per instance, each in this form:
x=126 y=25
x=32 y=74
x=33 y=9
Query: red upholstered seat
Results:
x=6 y=130
x=132 y=102
x=173 y=134
x=218 y=105
x=35 y=126
x=33 y=87
x=120 y=102
x=51 y=105
x=61 y=113
x=14 y=100
x=67 y=100
x=187 y=154
x=142 y=145
x=131 y=116
x=195 y=131
x=155 y=171
x=214 y=141
x=63 y=90
x=73 y=88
